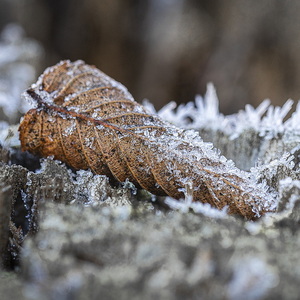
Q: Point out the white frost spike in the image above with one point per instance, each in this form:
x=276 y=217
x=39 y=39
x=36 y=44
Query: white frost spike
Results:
x=250 y=118
x=293 y=122
x=266 y=119
x=211 y=103
x=179 y=115
x=272 y=124
x=167 y=111
x=204 y=112
x=198 y=207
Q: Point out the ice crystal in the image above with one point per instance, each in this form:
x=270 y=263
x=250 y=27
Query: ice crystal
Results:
x=276 y=139
x=273 y=123
x=249 y=118
x=203 y=113
x=185 y=205
x=293 y=124
x=289 y=192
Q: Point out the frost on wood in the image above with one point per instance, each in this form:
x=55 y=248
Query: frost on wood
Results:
x=89 y=121
x=251 y=135
x=89 y=252
x=23 y=194
x=84 y=239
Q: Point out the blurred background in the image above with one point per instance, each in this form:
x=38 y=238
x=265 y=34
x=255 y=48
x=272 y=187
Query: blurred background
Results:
x=166 y=50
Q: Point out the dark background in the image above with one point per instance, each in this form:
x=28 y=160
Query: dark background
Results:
x=167 y=50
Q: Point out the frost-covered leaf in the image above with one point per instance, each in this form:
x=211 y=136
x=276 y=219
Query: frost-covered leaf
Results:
x=89 y=121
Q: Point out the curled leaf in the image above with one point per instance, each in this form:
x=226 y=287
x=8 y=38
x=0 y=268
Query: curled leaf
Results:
x=89 y=121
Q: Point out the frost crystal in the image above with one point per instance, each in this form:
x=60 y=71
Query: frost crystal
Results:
x=204 y=112
x=198 y=207
x=272 y=124
x=257 y=134
x=266 y=119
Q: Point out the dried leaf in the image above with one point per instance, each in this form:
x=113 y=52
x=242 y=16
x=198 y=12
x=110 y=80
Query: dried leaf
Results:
x=89 y=121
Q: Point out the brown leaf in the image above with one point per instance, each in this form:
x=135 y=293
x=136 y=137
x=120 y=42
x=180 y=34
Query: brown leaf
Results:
x=89 y=121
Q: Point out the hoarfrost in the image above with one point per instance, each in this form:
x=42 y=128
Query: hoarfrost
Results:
x=267 y=120
x=248 y=119
x=276 y=177
x=293 y=124
x=289 y=192
x=252 y=280
x=185 y=205
x=204 y=112
x=70 y=129
x=270 y=140
x=271 y=173
x=273 y=123
x=96 y=190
